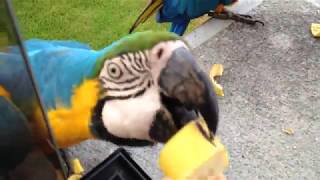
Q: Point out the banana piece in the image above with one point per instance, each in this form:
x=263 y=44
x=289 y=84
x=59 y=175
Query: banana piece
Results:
x=77 y=170
x=189 y=155
x=315 y=29
x=216 y=71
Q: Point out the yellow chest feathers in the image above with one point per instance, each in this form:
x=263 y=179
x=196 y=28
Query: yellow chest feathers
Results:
x=71 y=125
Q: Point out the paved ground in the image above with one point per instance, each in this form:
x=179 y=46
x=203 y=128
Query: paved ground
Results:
x=271 y=81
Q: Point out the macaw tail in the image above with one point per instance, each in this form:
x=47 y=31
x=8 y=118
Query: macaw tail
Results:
x=148 y=11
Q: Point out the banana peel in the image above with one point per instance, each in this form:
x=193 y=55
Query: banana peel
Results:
x=215 y=72
x=315 y=29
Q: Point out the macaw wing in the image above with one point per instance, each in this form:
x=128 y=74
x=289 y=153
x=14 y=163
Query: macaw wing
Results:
x=148 y=11
x=34 y=45
x=59 y=66
x=39 y=44
x=189 y=8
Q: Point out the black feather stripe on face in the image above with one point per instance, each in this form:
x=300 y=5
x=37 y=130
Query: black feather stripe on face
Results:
x=180 y=114
x=163 y=127
x=126 y=76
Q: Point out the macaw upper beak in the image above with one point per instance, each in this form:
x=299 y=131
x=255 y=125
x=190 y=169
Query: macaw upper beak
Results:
x=182 y=79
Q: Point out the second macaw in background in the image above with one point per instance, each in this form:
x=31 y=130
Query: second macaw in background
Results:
x=180 y=12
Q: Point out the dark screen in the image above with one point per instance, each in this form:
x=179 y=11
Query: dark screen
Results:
x=23 y=154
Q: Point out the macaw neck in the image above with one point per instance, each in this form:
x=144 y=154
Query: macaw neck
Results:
x=72 y=125
x=69 y=128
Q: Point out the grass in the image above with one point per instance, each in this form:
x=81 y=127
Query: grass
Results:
x=96 y=22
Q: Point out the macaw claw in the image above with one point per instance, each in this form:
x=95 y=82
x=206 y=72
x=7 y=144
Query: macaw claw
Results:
x=215 y=73
x=243 y=18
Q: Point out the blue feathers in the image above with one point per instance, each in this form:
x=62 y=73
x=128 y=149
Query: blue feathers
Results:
x=180 y=12
x=58 y=66
x=39 y=44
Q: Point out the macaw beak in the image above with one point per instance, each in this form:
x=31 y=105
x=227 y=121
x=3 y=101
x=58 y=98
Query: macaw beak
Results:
x=183 y=80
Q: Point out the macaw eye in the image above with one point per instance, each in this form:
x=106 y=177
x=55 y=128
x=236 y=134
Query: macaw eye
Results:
x=114 y=71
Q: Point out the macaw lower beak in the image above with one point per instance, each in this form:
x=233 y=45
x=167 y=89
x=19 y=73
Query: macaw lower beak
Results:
x=183 y=80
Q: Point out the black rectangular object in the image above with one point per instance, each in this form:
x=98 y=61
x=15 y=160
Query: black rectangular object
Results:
x=118 y=166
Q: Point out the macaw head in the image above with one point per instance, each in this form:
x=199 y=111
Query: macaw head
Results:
x=151 y=86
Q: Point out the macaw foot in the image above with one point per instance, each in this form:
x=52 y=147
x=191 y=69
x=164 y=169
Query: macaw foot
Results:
x=243 y=18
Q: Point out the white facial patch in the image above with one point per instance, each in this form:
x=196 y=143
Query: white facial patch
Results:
x=132 y=118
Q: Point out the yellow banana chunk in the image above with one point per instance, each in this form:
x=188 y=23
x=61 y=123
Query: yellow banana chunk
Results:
x=77 y=170
x=218 y=88
x=77 y=167
x=215 y=71
x=75 y=177
x=288 y=131
x=315 y=29
x=189 y=155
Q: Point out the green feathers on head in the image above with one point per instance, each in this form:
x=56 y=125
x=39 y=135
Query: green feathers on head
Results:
x=133 y=43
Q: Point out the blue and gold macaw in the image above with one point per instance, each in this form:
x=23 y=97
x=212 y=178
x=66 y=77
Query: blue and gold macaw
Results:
x=180 y=12
x=137 y=91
